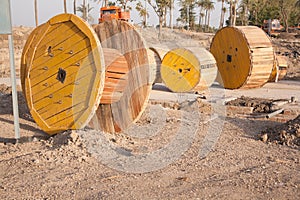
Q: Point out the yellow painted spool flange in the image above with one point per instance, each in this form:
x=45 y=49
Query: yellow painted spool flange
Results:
x=244 y=55
x=62 y=73
x=180 y=70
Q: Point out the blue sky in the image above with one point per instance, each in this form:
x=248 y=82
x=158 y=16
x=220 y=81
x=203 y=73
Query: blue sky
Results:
x=23 y=12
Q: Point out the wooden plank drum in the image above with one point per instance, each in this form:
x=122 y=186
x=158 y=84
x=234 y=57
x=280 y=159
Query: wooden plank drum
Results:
x=132 y=79
x=282 y=64
x=245 y=56
x=280 y=69
x=70 y=81
x=187 y=69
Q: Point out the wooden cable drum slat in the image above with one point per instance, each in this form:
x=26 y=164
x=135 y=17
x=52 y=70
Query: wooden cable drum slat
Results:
x=187 y=69
x=244 y=55
x=275 y=71
x=132 y=98
x=154 y=62
x=282 y=66
x=155 y=55
x=62 y=73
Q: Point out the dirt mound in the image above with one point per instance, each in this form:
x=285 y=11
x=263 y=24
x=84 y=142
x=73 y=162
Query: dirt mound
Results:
x=4 y=89
x=259 y=105
x=172 y=38
x=288 y=44
x=285 y=134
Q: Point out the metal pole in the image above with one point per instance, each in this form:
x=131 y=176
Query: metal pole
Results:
x=13 y=82
x=14 y=87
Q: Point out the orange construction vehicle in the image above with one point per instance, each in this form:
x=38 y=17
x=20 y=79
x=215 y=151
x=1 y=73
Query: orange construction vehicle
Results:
x=113 y=12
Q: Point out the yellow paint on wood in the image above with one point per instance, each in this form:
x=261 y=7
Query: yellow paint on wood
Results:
x=63 y=73
x=242 y=54
x=180 y=70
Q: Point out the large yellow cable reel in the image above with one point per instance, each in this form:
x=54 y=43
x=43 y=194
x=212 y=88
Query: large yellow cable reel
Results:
x=62 y=73
x=180 y=70
x=244 y=55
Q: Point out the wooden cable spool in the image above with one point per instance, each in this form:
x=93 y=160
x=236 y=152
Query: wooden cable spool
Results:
x=62 y=73
x=187 y=69
x=282 y=66
x=275 y=72
x=132 y=79
x=155 y=63
x=157 y=53
x=244 y=55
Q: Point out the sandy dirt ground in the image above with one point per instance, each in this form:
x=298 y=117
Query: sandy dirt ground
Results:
x=183 y=147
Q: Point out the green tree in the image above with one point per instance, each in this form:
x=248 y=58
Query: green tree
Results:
x=142 y=9
x=209 y=7
x=85 y=8
x=124 y=4
x=222 y=13
x=158 y=7
x=286 y=7
x=187 y=14
x=200 y=5
x=232 y=12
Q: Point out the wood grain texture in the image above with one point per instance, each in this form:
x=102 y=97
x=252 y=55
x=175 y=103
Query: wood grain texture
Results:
x=62 y=73
x=118 y=115
x=187 y=69
x=244 y=55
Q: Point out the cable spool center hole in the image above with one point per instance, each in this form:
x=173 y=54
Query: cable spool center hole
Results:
x=61 y=75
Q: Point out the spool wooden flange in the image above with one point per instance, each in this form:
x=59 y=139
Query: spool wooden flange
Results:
x=155 y=63
x=187 y=69
x=134 y=84
x=282 y=66
x=244 y=56
x=275 y=72
x=62 y=73
x=158 y=52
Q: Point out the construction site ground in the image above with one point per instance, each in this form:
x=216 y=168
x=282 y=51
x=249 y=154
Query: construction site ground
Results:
x=220 y=151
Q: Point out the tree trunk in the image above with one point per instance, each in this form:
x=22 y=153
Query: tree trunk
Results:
x=171 y=14
x=146 y=14
x=160 y=25
x=222 y=15
x=206 y=16
x=208 y=19
x=74 y=7
x=165 y=16
x=234 y=14
x=65 y=6
x=230 y=13
x=36 y=13
x=188 y=17
x=199 y=23
x=85 y=14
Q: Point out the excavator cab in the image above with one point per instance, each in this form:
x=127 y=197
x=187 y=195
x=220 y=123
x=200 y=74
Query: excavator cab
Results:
x=113 y=12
